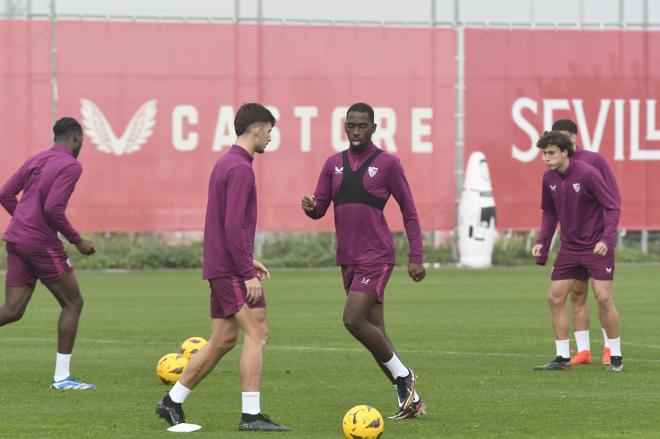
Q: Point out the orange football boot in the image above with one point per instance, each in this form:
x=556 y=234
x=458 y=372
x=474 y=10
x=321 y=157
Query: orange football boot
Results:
x=582 y=357
x=606 y=355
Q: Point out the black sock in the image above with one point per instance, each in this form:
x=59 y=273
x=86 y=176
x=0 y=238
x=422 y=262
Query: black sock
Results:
x=250 y=418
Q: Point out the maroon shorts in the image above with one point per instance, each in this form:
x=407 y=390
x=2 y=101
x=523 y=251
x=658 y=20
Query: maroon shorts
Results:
x=228 y=297
x=583 y=266
x=369 y=279
x=27 y=264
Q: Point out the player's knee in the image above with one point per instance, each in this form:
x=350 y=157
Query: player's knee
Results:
x=259 y=335
x=605 y=301
x=226 y=345
x=10 y=315
x=75 y=304
x=223 y=344
x=352 y=324
x=264 y=336
x=257 y=338
x=556 y=301
x=577 y=298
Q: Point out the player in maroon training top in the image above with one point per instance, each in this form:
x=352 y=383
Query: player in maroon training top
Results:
x=34 y=251
x=580 y=288
x=575 y=194
x=359 y=181
x=237 y=298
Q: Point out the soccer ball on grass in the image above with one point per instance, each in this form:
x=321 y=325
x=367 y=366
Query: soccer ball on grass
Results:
x=363 y=422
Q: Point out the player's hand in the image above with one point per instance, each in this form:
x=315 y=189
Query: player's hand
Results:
x=417 y=272
x=600 y=249
x=308 y=202
x=254 y=291
x=262 y=271
x=86 y=247
x=536 y=250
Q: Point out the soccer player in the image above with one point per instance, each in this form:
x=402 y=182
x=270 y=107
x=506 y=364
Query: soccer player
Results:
x=575 y=194
x=580 y=288
x=34 y=250
x=359 y=181
x=237 y=297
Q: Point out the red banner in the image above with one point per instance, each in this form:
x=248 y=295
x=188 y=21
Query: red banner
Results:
x=520 y=81
x=157 y=103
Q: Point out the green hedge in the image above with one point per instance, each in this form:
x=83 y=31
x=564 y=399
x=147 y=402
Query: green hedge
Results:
x=136 y=251
x=154 y=250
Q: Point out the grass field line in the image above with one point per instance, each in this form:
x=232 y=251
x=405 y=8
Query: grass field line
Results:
x=331 y=349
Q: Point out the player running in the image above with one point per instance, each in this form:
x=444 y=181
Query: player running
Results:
x=34 y=250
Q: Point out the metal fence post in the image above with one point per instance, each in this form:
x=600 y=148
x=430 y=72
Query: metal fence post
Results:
x=459 y=32
x=53 y=61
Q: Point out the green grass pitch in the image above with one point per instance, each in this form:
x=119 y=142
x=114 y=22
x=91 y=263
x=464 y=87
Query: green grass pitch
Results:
x=472 y=336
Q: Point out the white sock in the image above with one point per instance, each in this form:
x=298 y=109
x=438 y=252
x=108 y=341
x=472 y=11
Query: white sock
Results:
x=396 y=367
x=62 y=362
x=563 y=349
x=415 y=398
x=605 y=338
x=251 y=403
x=615 y=346
x=582 y=340
x=179 y=393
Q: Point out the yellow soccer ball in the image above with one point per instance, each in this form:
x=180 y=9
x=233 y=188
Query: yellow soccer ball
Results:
x=170 y=367
x=191 y=346
x=363 y=422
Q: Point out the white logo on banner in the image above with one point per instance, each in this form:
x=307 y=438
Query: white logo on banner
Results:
x=136 y=134
x=576 y=187
x=372 y=171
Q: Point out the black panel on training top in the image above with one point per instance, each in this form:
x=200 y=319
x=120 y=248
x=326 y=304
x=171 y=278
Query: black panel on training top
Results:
x=352 y=190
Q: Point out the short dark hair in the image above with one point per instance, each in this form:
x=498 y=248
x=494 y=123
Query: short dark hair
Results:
x=249 y=114
x=361 y=107
x=555 y=138
x=565 y=125
x=66 y=126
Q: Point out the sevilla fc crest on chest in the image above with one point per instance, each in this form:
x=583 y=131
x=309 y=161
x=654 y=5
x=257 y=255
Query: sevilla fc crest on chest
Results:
x=576 y=187
x=372 y=171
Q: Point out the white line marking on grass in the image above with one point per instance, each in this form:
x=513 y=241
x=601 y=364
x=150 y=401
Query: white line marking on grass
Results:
x=653 y=346
x=332 y=349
